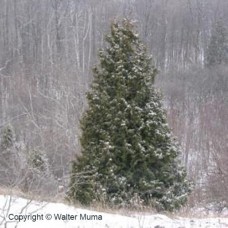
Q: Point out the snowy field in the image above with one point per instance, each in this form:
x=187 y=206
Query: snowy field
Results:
x=24 y=213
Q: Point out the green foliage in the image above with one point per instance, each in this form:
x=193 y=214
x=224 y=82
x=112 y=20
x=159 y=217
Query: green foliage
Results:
x=217 y=52
x=127 y=147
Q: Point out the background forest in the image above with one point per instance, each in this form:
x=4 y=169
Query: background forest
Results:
x=48 y=48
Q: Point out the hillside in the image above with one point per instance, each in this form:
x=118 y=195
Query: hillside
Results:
x=54 y=215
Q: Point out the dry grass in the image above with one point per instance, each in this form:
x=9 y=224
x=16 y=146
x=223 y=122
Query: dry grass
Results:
x=185 y=212
x=12 y=192
x=58 y=198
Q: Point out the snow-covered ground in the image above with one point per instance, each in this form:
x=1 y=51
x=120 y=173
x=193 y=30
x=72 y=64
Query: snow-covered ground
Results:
x=54 y=215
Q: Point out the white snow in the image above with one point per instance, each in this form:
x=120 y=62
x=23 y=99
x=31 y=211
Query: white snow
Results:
x=12 y=208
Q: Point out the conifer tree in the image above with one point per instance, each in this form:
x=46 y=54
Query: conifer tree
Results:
x=7 y=138
x=127 y=147
x=38 y=161
x=8 y=157
x=37 y=174
x=217 y=52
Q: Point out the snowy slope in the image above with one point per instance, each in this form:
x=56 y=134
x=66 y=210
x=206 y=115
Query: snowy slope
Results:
x=55 y=215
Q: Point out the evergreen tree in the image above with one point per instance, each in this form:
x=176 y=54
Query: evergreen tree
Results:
x=127 y=147
x=8 y=157
x=37 y=175
x=38 y=161
x=217 y=52
x=7 y=138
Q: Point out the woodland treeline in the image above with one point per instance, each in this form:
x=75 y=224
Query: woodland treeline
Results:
x=48 y=49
